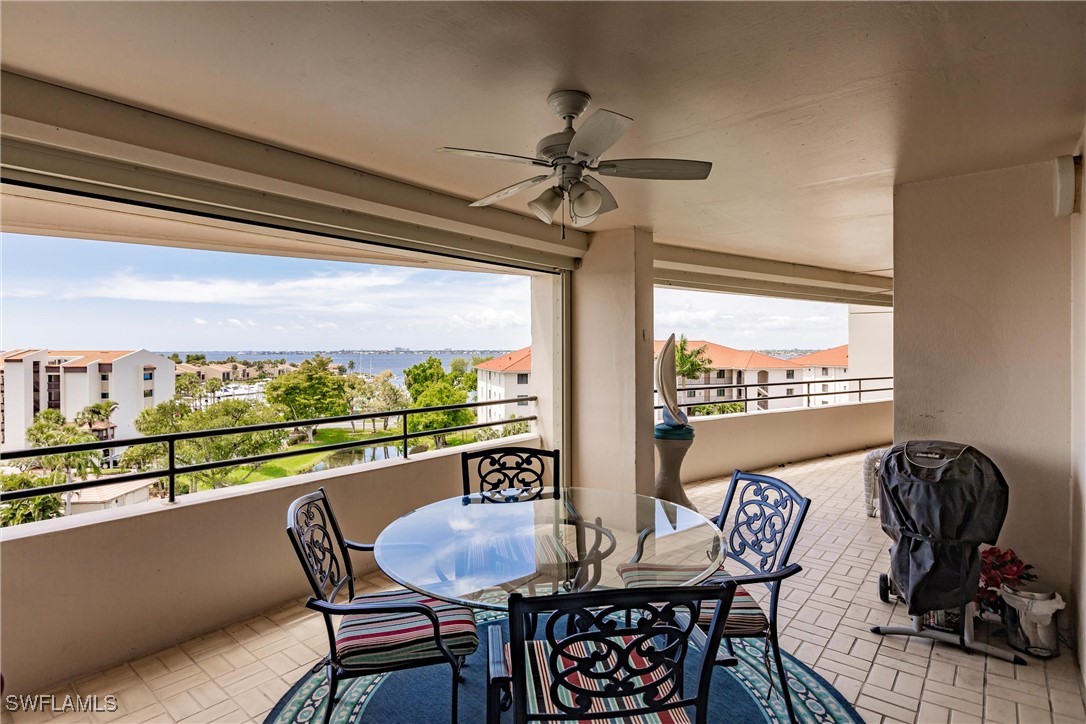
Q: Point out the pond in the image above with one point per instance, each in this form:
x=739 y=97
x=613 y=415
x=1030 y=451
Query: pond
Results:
x=357 y=456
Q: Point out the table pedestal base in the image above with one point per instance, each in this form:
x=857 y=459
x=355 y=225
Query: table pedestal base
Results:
x=668 y=485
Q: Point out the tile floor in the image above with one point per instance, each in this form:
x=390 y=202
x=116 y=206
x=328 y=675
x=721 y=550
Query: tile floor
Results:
x=236 y=674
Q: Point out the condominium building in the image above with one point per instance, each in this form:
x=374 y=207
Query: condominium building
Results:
x=728 y=366
x=501 y=378
x=823 y=372
x=70 y=380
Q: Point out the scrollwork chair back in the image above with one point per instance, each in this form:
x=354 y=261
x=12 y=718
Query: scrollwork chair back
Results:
x=760 y=519
x=603 y=653
x=511 y=474
x=319 y=544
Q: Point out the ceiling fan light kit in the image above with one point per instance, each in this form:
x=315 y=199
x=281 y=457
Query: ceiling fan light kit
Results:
x=546 y=205
x=570 y=153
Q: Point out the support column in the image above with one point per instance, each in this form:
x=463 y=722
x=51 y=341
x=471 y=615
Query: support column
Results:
x=611 y=364
x=550 y=364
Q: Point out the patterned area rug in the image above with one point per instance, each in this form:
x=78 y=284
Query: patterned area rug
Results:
x=419 y=696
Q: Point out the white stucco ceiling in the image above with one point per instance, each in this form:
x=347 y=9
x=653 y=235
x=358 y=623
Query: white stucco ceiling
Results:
x=809 y=112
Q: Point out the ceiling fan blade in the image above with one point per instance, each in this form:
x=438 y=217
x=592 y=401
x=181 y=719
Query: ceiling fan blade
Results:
x=493 y=155
x=609 y=203
x=597 y=134
x=511 y=190
x=675 y=169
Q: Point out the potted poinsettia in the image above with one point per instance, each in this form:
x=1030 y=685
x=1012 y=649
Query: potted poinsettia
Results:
x=998 y=567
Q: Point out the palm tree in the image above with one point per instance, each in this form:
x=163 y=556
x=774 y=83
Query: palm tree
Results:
x=690 y=364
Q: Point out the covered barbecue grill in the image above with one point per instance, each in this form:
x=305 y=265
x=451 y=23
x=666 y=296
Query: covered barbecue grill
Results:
x=939 y=501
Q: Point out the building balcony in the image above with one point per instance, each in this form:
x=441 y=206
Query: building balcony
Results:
x=238 y=667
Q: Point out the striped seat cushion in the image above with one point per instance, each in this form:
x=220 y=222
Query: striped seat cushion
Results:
x=647 y=575
x=745 y=618
x=375 y=642
x=541 y=698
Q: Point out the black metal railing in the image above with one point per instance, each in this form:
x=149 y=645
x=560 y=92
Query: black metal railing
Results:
x=172 y=469
x=762 y=394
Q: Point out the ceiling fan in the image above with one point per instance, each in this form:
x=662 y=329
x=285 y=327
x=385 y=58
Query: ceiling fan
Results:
x=569 y=154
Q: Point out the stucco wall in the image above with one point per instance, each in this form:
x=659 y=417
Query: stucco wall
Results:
x=1078 y=412
x=761 y=439
x=85 y=592
x=611 y=365
x=982 y=340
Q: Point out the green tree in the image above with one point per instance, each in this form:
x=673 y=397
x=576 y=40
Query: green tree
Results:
x=26 y=510
x=211 y=387
x=51 y=430
x=357 y=392
x=311 y=391
x=188 y=387
x=721 y=408
x=418 y=378
x=462 y=375
x=350 y=365
x=95 y=412
x=175 y=358
x=195 y=359
x=690 y=364
x=389 y=395
x=437 y=394
x=177 y=416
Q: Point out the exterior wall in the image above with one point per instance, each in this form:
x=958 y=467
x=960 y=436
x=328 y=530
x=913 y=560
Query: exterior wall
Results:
x=824 y=387
x=499 y=386
x=982 y=293
x=19 y=397
x=144 y=569
x=79 y=388
x=755 y=440
x=871 y=347
x=127 y=386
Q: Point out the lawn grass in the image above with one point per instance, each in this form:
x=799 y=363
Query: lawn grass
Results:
x=304 y=462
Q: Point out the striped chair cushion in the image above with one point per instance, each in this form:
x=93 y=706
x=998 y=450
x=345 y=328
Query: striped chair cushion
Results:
x=541 y=701
x=375 y=642
x=745 y=618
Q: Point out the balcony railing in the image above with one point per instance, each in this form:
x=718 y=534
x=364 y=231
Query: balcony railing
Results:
x=875 y=384
x=172 y=470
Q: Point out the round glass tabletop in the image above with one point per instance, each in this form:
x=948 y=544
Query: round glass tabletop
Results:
x=473 y=552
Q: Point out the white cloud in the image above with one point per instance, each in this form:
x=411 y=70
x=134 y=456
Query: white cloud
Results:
x=489 y=319
x=197 y=320
x=310 y=290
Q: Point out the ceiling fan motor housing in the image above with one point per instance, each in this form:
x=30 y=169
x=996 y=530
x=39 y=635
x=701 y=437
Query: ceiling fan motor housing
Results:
x=555 y=145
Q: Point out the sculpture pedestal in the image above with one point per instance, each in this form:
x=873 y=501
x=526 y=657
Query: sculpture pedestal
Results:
x=668 y=485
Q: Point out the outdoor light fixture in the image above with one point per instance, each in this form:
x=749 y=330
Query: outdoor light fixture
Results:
x=547 y=204
x=584 y=201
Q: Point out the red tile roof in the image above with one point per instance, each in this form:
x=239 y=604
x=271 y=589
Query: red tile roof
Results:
x=833 y=357
x=519 y=361
x=721 y=357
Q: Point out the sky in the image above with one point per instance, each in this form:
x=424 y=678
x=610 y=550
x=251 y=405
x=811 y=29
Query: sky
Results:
x=70 y=293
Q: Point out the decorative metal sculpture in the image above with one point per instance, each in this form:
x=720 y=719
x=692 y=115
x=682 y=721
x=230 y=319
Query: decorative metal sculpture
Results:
x=673 y=436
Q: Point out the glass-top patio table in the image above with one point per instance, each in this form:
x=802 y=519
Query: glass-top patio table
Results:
x=467 y=550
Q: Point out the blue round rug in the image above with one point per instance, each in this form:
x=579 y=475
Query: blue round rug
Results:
x=420 y=696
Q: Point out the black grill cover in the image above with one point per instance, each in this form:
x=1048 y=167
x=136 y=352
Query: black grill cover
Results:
x=939 y=501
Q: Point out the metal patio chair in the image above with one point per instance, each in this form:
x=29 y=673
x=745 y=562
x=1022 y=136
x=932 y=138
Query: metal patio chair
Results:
x=379 y=632
x=511 y=474
x=608 y=655
x=760 y=521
